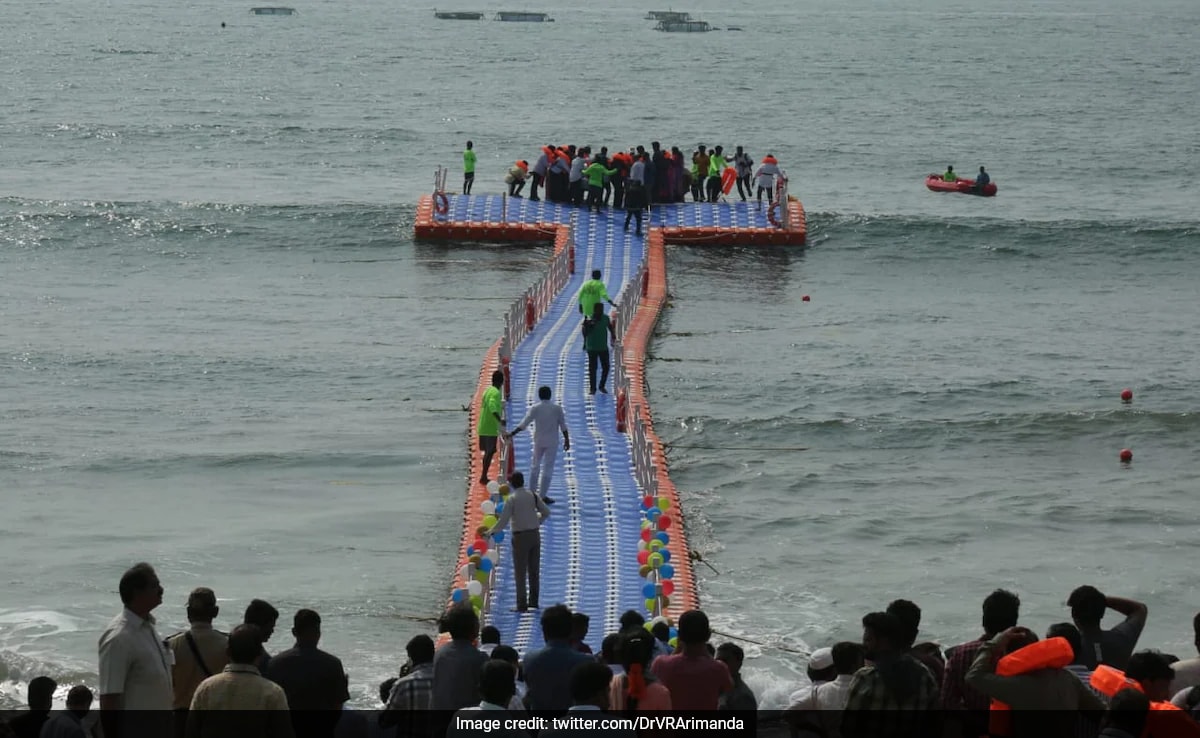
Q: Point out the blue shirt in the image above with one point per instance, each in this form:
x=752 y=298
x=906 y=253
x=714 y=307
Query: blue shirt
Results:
x=982 y=179
x=548 y=675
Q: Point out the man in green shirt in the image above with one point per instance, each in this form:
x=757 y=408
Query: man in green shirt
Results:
x=592 y=292
x=596 y=331
x=468 y=168
x=491 y=422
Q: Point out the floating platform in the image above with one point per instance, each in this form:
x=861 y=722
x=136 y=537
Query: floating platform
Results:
x=615 y=538
x=457 y=15
x=523 y=17
x=684 y=26
x=668 y=15
x=274 y=10
x=493 y=218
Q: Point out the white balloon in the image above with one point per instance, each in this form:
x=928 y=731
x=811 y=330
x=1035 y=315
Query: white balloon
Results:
x=488 y=507
x=474 y=588
x=642 y=545
x=493 y=487
x=493 y=555
x=464 y=571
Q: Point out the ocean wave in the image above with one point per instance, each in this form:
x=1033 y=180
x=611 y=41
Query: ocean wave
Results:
x=252 y=460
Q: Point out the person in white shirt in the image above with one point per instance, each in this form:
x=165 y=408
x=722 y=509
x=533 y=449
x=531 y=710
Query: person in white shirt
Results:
x=527 y=512
x=822 y=704
x=135 y=666
x=547 y=418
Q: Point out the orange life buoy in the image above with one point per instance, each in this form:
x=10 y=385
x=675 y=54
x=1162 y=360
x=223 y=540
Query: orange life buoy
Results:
x=1052 y=653
x=771 y=215
x=728 y=178
x=441 y=203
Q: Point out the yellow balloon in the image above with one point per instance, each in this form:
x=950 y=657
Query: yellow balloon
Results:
x=477 y=601
x=481 y=577
x=489 y=521
x=504 y=488
x=650 y=605
x=664 y=504
x=655 y=544
x=655 y=560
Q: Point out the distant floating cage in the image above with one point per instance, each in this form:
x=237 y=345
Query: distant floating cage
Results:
x=668 y=15
x=686 y=26
x=523 y=17
x=273 y=11
x=458 y=15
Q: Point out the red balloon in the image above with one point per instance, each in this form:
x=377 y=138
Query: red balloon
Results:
x=647 y=534
x=664 y=522
x=481 y=546
x=668 y=587
x=648 y=501
x=643 y=556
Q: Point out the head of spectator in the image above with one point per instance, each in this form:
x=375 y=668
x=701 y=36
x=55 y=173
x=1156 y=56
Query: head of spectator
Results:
x=202 y=606
x=662 y=632
x=693 y=631
x=497 y=378
x=909 y=616
x=1069 y=633
x=1087 y=607
x=544 y=393
x=507 y=653
x=636 y=651
x=517 y=480
x=140 y=589
x=579 y=627
x=420 y=649
x=41 y=694
x=244 y=644
x=489 y=634
x=631 y=619
x=262 y=615
x=556 y=624
x=608 y=649
x=385 y=689
x=732 y=655
x=1128 y=712
x=589 y=684
x=79 y=700
x=883 y=636
x=497 y=682
x=1000 y=612
x=820 y=666
x=306 y=627
x=847 y=657
x=1152 y=671
x=461 y=623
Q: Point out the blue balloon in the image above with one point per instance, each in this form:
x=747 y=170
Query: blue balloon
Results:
x=674 y=633
x=666 y=554
x=485 y=565
x=498 y=536
x=666 y=571
x=649 y=590
x=662 y=536
x=459 y=595
x=653 y=514
x=470 y=551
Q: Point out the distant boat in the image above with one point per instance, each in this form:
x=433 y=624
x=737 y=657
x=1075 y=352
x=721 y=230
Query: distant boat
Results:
x=686 y=26
x=667 y=15
x=458 y=15
x=273 y=11
x=733 y=28
x=522 y=17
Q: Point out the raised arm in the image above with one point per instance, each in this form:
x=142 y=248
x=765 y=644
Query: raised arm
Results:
x=1131 y=609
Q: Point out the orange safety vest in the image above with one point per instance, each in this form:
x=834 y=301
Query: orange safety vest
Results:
x=1108 y=681
x=1052 y=653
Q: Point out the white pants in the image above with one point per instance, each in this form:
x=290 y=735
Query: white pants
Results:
x=543 y=462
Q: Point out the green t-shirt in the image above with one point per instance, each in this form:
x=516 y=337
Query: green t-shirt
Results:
x=596 y=173
x=469 y=161
x=597 y=334
x=592 y=292
x=950 y=177
x=491 y=406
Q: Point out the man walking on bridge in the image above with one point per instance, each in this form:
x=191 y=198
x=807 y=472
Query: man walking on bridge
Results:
x=548 y=419
x=596 y=331
x=592 y=292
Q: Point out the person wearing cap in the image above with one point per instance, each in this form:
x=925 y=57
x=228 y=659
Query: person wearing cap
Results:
x=515 y=179
x=831 y=671
x=69 y=722
x=198 y=652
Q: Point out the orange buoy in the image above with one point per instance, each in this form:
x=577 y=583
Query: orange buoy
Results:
x=728 y=177
x=1126 y=456
x=441 y=203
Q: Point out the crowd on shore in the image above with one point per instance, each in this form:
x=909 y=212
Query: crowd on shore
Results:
x=1079 y=679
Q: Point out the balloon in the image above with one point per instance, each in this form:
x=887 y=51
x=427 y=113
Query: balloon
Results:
x=647 y=502
x=650 y=606
x=493 y=487
x=475 y=589
x=673 y=633
x=642 y=545
x=665 y=553
x=664 y=504
x=647 y=533
x=654 y=545
x=475 y=559
x=643 y=570
x=489 y=521
x=653 y=514
x=666 y=602
x=497 y=537
x=649 y=627
x=470 y=551
x=643 y=557
x=503 y=488
x=662 y=536
x=481 y=576
x=666 y=571
x=649 y=590
x=459 y=595
x=668 y=587
x=464 y=571
x=488 y=507
x=492 y=556
x=673 y=643
x=486 y=565
x=481 y=545
x=664 y=522
x=655 y=559
x=477 y=602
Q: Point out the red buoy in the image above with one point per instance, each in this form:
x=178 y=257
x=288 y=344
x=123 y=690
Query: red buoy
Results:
x=1126 y=395
x=1126 y=456
x=805 y=299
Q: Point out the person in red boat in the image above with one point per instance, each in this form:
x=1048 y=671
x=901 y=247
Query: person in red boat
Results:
x=981 y=180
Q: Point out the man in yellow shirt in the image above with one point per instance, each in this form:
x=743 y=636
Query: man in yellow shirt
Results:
x=491 y=422
x=950 y=176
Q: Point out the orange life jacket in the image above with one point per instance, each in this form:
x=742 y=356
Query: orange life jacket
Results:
x=1052 y=653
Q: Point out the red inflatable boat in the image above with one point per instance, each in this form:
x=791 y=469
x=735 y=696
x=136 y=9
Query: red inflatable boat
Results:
x=965 y=186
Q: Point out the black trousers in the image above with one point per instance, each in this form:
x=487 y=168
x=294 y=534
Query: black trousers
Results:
x=600 y=357
x=618 y=189
x=634 y=213
x=748 y=191
x=533 y=188
x=595 y=197
x=514 y=189
x=714 y=188
x=576 y=192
